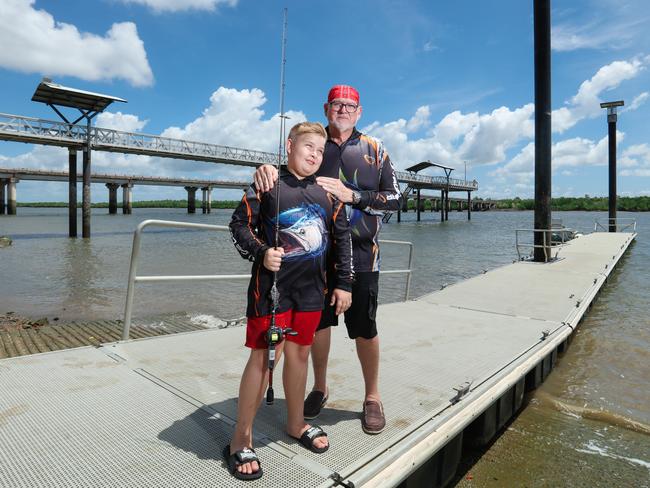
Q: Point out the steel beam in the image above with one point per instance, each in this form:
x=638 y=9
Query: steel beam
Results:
x=72 y=192
x=542 y=21
x=611 y=129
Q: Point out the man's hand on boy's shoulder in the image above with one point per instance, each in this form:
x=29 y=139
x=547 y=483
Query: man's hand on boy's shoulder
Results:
x=265 y=177
x=273 y=258
x=336 y=188
x=342 y=299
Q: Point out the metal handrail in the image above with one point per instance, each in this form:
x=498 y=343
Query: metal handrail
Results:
x=546 y=245
x=135 y=255
x=625 y=223
x=408 y=271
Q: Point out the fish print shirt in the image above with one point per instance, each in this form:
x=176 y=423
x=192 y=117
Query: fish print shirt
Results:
x=362 y=164
x=311 y=222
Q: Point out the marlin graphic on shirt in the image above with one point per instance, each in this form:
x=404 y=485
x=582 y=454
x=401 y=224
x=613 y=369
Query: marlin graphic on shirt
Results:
x=303 y=232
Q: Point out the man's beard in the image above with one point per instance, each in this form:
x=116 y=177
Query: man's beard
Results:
x=342 y=126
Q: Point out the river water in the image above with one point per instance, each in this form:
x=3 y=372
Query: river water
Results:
x=587 y=425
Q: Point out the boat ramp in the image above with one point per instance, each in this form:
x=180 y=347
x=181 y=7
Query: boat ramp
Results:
x=158 y=411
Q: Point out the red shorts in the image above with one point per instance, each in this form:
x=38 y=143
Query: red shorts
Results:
x=304 y=323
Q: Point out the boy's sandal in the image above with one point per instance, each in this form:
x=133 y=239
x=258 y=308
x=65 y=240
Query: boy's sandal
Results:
x=246 y=455
x=314 y=402
x=310 y=435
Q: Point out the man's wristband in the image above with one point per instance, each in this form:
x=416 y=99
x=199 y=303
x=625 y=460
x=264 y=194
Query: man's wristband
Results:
x=356 y=197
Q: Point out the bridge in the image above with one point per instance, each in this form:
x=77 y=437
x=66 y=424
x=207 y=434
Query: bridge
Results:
x=113 y=182
x=76 y=137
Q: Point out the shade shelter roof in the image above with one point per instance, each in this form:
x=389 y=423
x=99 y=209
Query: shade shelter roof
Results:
x=52 y=93
x=427 y=164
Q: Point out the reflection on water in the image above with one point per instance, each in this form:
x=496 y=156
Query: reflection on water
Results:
x=584 y=426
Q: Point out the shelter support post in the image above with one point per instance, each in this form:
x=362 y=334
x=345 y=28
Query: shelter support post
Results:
x=85 y=200
x=72 y=192
x=112 y=197
x=209 y=190
x=469 y=205
x=191 y=199
x=417 y=204
x=447 y=203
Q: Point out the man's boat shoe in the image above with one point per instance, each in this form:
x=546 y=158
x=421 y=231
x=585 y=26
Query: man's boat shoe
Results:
x=314 y=402
x=373 y=420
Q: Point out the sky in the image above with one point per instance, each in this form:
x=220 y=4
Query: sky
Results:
x=449 y=82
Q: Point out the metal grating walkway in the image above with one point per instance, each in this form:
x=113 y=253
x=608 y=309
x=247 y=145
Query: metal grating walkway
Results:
x=158 y=411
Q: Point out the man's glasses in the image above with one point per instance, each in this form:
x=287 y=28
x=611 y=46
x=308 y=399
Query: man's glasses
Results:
x=347 y=107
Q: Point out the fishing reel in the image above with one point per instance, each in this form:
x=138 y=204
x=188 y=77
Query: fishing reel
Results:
x=274 y=336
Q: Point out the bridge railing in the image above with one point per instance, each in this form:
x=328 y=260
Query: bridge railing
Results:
x=111 y=139
x=135 y=256
x=49 y=129
x=407 y=177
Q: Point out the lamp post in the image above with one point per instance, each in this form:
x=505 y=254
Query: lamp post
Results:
x=611 y=131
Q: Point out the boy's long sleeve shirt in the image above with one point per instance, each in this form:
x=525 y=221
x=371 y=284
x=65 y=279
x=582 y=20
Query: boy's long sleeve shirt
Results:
x=311 y=223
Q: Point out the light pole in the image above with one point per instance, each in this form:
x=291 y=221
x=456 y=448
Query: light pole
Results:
x=611 y=130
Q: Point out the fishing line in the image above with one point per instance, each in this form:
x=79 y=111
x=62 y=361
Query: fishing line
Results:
x=275 y=334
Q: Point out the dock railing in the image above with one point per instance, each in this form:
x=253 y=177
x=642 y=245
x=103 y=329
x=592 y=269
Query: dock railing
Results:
x=135 y=256
x=620 y=224
x=552 y=240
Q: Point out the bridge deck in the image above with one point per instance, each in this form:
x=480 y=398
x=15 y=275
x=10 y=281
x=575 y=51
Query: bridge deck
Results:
x=158 y=411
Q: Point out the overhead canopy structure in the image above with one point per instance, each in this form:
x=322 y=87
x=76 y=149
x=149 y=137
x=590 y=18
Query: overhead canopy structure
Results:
x=89 y=104
x=52 y=93
x=427 y=164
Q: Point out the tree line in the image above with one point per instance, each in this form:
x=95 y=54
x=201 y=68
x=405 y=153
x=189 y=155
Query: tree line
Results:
x=586 y=203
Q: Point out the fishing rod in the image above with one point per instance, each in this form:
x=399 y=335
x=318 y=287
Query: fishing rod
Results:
x=276 y=334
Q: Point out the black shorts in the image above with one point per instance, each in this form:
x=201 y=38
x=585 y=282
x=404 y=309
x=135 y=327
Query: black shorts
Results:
x=360 y=317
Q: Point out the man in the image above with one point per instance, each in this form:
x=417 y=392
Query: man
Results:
x=357 y=171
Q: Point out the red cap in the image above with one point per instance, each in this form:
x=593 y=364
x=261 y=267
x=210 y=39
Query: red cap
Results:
x=343 y=91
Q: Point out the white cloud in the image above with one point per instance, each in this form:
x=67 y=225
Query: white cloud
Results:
x=637 y=102
x=34 y=42
x=636 y=160
x=586 y=103
x=120 y=121
x=569 y=153
x=235 y=118
x=180 y=5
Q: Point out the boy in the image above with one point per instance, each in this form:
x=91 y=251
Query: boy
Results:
x=309 y=220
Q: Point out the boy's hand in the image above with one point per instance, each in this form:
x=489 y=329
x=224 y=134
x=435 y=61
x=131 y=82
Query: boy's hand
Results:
x=342 y=299
x=265 y=177
x=273 y=258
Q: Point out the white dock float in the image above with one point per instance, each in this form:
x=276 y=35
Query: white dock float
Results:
x=158 y=411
